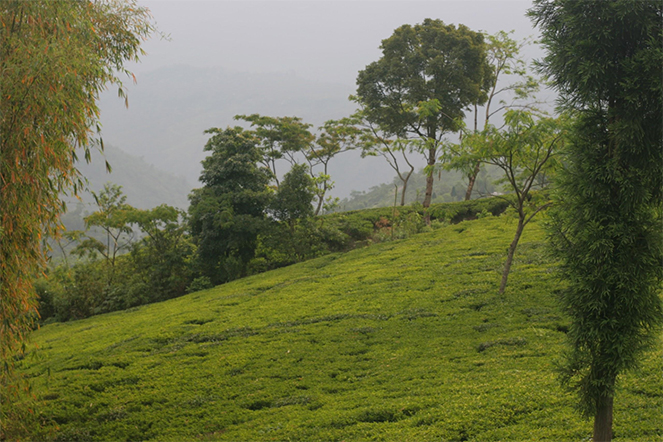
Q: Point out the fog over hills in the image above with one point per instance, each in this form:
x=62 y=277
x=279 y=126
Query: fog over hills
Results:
x=144 y=185
x=170 y=108
x=276 y=58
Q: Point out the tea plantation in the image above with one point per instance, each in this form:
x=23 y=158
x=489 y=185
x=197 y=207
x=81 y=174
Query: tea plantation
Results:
x=400 y=341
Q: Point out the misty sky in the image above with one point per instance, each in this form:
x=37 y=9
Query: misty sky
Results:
x=328 y=41
x=324 y=42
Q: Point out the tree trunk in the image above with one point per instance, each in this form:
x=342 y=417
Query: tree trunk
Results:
x=405 y=181
x=403 y=192
x=472 y=180
x=512 y=252
x=603 y=420
x=429 y=185
x=321 y=199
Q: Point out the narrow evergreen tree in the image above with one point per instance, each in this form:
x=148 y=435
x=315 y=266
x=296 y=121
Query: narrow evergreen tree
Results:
x=605 y=59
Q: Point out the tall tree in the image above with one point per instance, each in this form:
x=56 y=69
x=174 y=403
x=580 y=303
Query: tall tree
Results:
x=605 y=60
x=55 y=58
x=428 y=74
x=503 y=55
x=228 y=212
x=525 y=149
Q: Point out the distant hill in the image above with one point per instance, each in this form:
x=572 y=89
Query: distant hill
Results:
x=448 y=186
x=144 y=185
x=170 y=108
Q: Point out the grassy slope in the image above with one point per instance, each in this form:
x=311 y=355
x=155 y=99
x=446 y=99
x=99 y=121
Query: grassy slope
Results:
x=398 y=341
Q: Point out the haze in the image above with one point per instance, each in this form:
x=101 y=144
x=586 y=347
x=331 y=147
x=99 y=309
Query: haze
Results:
x=322 y=43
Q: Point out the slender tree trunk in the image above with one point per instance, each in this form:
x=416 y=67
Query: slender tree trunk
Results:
x=512 y=252
x=405 y=181
x=321 y=199
x=429 y=185
x=403 y=192
x=603 y=420
x=472 y=180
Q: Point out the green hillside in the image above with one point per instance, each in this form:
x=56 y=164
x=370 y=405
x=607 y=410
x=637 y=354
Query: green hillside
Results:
x=403 y=340
x=448 y=186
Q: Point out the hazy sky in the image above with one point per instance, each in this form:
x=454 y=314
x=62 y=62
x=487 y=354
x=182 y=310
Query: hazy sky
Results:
x=328 y=41
x=318 y=41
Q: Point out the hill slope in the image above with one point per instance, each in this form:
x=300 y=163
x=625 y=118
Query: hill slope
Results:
x=403 y=340
x=144 y=185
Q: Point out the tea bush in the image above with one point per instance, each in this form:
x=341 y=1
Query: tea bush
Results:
x=402 y=340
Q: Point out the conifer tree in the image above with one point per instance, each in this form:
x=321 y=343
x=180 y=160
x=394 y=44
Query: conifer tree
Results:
x=605 y=59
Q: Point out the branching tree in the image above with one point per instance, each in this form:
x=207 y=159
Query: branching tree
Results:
x=279 y=138
x=336 y=136
x=112 y=218
x=374 y=142
x=503 y=55
x=55 y=59
x=605 y=60
x=525 y=151
x=428 y=75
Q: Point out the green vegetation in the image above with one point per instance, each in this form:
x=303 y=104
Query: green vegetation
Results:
x=403 y=340
x=526 y=150
x=409 y=339
x=605 y=60
x=427 y=75
x=449 y=186
x=56 y=59
x=161 y=263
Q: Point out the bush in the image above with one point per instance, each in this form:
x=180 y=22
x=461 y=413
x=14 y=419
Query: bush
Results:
x=200 y=283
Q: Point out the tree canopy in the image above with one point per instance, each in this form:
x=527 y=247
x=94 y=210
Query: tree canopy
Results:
x=427 y=76
x=605 y=59
x=57 y=56
x=227 y=213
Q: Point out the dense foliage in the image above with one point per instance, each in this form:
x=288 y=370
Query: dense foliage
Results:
x=127 y=257
x=56 y=59
x=605 y=59
x=160 y=260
